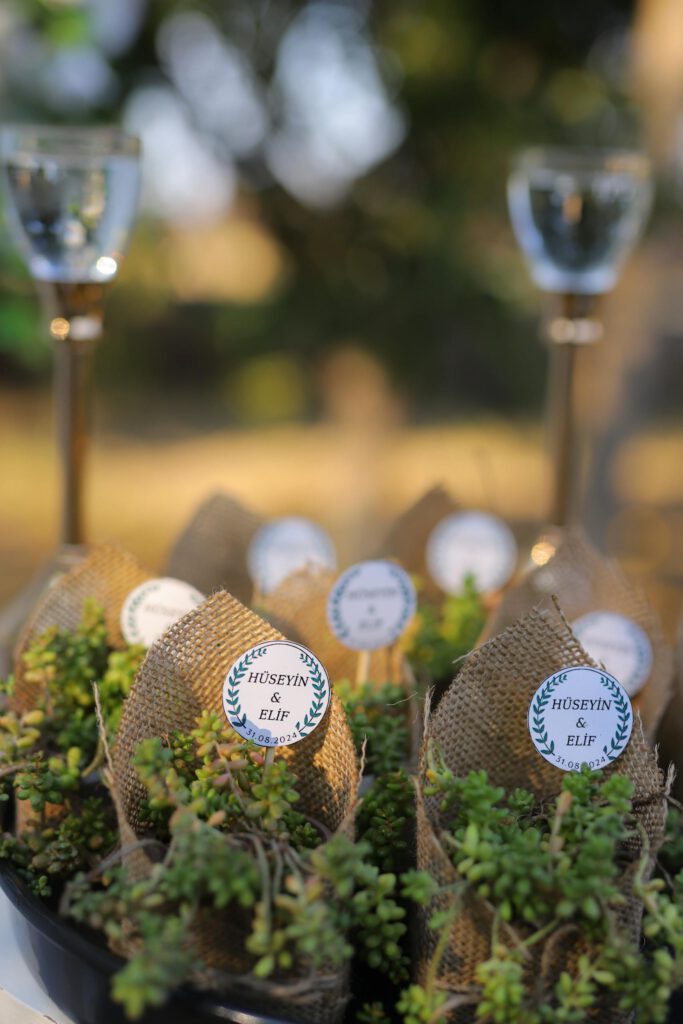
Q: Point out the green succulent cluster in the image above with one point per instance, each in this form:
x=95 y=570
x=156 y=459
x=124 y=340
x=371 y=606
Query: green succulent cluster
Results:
x=544 y=874
x=222 y=779
x=63 y=666
x=445 y=633
x=377 y=714
x=47 y=753
x=386 y=819
x=234 y=841
x=226 y=835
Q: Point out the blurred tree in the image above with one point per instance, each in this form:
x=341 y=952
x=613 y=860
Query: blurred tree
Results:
x=318 y=172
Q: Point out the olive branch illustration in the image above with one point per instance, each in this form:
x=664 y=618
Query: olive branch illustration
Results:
x=621 y=734
x=538 y=710
x=232 y=698
x=315 y=712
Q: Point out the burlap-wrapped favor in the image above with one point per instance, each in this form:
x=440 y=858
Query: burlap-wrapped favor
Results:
x=183 y=674
x=299 y=607
x=107 y=576
x=481 y=723
x=585 y=581
x=211 y=552
x=408 y=536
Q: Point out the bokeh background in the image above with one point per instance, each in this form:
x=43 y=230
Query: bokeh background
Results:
x=323 y=309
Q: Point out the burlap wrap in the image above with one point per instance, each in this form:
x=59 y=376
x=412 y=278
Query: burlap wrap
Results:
x=211 y=553
x=299 y=607
x=182 y=674
x=407 y=538
x=585 y=581
x=107 y=576
x=481 y=723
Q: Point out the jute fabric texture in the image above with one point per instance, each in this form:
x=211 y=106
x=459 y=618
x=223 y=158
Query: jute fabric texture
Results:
x=299 y=607
x=183 y=674
x=481 y=723
x=584 y=581
x=211 y=552
x=407 y=538
x=107 y=575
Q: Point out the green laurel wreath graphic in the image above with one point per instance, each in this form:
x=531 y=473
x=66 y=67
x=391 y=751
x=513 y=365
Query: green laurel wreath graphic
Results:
x=311 y=720
x=408 y=593
x=336 y=621
x=538 y=709
x=232 y=698
x=621 y=734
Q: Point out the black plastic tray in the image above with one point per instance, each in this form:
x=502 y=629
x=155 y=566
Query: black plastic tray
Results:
x=76 y=971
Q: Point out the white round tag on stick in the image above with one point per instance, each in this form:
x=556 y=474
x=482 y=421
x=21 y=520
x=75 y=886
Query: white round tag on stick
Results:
x=154 y=606
x=282 y=547
x=580 y=716
x=474 y=544
x=276 y=693
x=618 y=643
x=371 y=604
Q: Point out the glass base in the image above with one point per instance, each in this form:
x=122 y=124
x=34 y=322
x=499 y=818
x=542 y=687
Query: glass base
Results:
x=15 y=614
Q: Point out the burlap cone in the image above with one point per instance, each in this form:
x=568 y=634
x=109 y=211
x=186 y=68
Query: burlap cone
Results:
x=584 y=581
x=182 y=674
x=211 y=553
x=407 y=538
x=299 y=607
x=107 y=576
x=481 y=723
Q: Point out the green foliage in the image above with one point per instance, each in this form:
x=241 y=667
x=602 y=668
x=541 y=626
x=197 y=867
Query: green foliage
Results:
x=63 y=665
x=547 y=870
x=444 y=634
x=46 y=751
x=222 y=779
x=418 y=1006
x=385 y=819
x=671 y=853
x=377 y=716
x=236 y=843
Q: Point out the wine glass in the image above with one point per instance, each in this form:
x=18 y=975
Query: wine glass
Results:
x=576 y=215
x=70 y=198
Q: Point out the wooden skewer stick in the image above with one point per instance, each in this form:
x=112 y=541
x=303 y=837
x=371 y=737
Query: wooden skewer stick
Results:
x=270 y=756
x=363 y=667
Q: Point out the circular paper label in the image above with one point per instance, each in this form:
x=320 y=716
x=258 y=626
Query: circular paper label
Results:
x=154 y=606
x=276 y=693
x=580 y=716
x=280 y=548
x=473 y=544
x=371 y=604
x=619 y=644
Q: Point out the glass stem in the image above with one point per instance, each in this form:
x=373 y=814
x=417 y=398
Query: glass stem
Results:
x=573 y=324
x=562 y=430
x=72 y=369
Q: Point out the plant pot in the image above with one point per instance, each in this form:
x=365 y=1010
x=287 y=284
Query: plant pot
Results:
x=75 y=968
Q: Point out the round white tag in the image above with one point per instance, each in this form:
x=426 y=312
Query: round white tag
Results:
x=471 y=544
x=580 y=716
x=280 y=548
x=276 y=693
x=154 y=606
x=619 y=644
x=371 y=604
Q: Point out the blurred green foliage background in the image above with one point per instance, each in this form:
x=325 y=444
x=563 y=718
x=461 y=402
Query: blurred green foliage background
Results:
x=317 y=175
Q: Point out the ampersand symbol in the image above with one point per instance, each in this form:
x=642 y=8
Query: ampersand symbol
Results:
x=275 y=699
x=581 y=724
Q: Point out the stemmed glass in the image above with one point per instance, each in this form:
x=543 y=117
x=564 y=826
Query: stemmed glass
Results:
x=71 y=197
x=576 y=215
